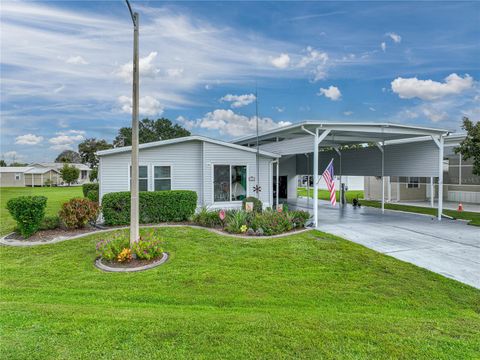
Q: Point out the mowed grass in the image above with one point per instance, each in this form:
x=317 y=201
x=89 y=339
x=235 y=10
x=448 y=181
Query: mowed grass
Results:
x=472 y=217
x=305 y=296
x=56 y=197
x=325 y=194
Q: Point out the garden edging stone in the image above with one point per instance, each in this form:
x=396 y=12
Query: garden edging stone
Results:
x=100 y=265
x=20 y=243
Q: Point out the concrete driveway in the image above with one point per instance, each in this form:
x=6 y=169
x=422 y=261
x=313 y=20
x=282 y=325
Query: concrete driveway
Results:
x=450 y=248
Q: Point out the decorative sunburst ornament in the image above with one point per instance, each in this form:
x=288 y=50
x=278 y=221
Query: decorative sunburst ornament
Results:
x=257 y=189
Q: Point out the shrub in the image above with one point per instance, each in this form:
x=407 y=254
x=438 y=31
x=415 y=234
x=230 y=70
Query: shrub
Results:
x=28 y=212
x=273 y=222
x=111 y=248
x=77 y=212
x=236 y=220
x=298 y=217
x=207 y=218
x=86 y=188
x=125 y=255
x=149 y=246
x=50 y=223
x=93 y=195
x=155 y=206
x=257 y=204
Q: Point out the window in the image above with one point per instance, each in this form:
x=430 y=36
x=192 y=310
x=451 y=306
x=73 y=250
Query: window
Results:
x=229 y=182
x=142 y=177
x=84 y=174
x=413 y=183
x=17 y=176
x=162 y=178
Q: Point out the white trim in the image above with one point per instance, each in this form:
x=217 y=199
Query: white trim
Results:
x=185 y=139
x=152 y=175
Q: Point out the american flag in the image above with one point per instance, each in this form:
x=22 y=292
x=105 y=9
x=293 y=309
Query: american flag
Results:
x=330 y=180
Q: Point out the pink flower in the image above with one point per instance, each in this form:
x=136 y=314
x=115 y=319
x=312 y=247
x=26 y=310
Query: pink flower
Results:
x=221 y=214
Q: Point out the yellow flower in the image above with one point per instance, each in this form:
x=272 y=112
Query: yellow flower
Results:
x=243 y=228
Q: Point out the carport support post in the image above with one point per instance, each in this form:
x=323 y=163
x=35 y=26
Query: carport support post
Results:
x=315 y=178
x=278 y=182
x=440 y=179
x=432 y=193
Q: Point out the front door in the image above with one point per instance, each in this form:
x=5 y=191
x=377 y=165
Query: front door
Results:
x=282 y=186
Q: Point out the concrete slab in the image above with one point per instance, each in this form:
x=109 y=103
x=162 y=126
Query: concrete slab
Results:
x=448 y=247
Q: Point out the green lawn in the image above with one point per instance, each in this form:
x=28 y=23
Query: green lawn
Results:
x=56 y=197
x=325 y=194
x=472 y=217
x=305 y=296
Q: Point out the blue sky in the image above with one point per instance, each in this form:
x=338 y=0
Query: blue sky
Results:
x=66 y=67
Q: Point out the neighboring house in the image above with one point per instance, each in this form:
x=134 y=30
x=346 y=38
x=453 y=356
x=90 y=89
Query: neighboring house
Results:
x=38 y=176
x=13 y=176
x=28 y=176
x=460 y=185
x=83 y=177
x=221 y=173
x=351 y=182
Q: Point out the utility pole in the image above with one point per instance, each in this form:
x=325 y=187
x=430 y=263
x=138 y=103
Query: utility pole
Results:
x=258 y=144
x=134 y=207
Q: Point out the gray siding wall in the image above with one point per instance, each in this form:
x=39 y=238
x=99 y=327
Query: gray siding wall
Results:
x=184 y=159
x=8 y=180
x=413 y=159
x=288 y=168
x=191 y=162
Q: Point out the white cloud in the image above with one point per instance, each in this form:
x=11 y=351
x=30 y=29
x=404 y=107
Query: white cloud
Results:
x=332 y=92
x=76 y=60
x=229 y=123
x=12 y=156
x=372 y=109
x=146 y=65
x=435 y=115
x=383 y=45
x=174 y=72
x=316 y=62
x=280 y=109
x=66 y=139
x=348 y=113
x=313 y=56
x=148 y=105
x=239 y=100
x=408 y=88
x=28 y=139
x=281 y=61
x=395 y=37
x=59 y=89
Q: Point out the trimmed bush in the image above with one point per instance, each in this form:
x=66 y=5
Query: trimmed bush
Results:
x=50 y=223
x=257 y=204
x=28 y=212
x=207 y=218
x=86 y=188
x=93 y=195
x=76 y=213
x=155 y=206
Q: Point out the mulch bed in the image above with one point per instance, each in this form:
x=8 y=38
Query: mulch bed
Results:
x=48 y=235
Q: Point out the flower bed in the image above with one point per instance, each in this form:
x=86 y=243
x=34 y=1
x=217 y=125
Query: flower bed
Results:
x=267 y=222
x=116 y=252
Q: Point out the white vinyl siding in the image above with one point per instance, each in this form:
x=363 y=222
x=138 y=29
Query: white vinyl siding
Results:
x=185 y=160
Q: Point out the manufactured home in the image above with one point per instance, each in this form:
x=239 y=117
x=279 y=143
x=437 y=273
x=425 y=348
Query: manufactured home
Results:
x=222 y=174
